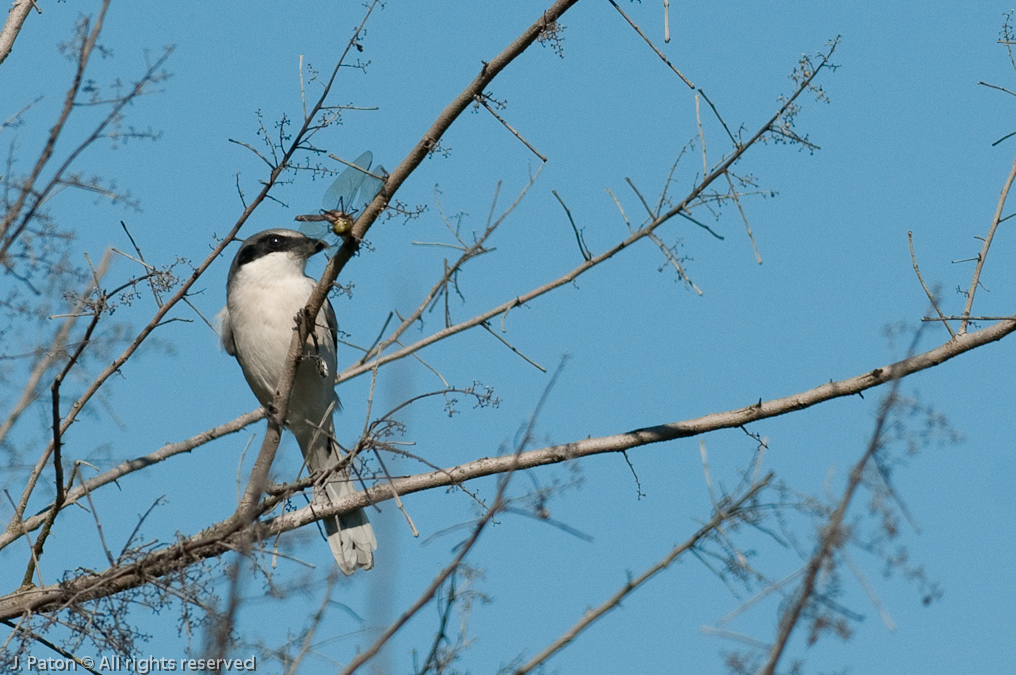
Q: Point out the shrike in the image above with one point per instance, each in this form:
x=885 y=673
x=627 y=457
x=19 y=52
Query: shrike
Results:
x=266 y=288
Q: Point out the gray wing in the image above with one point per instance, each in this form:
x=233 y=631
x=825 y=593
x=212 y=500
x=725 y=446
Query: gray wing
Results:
x=333 y=325
x=226 y=331
x=333 y=329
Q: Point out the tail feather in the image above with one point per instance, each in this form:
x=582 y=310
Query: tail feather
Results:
x=350 y=535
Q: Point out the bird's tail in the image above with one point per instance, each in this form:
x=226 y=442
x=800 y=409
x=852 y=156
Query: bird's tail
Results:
x=350 y=535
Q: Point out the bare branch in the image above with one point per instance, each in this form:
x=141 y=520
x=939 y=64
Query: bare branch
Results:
x=15 y=19
x=14 y=529
x=223 y=536
x=471 y=251
x=927 y=291
x=976 y=280
x=482 y=100
x=586 y=255
x=726 y=511
x=737 y=200
x=650 y=43
x=348 y=248
x=833 y=535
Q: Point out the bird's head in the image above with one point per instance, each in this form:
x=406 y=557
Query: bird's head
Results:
x=278 y=251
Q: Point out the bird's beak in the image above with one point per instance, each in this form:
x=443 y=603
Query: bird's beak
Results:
x=316 y=246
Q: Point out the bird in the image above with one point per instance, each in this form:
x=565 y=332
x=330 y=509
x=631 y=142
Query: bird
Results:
x=266 y=288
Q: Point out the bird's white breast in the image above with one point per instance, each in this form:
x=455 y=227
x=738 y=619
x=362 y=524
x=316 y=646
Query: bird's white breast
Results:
x=263 y=301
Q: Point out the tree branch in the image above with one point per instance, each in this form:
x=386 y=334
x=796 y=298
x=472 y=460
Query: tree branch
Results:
x=15 y=19
x=719 y=517
x=222 y=537
x=586 y=265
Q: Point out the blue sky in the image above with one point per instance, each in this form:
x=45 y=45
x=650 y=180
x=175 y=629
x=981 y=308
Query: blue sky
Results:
x=906 y=145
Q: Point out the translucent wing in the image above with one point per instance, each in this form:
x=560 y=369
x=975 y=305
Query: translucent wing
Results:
x=340 y=201
x=342 y=192
x=316 y=229
x=371 y=186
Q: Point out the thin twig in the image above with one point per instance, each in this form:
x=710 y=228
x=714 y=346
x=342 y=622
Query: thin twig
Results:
x=513 y=348
x=209 y=543
x=567 y=278
x=303 y=92
x=927 y=291
x=704 y=454
x=315 y=622
x=482 y=101
x=141 y=256
x=995 y=86
x=761 y=595
x=34 y=562
x=93 y=511
x=717 y=113
x=666 y=21
x=887 y=619
x=969 y=318
x=586 y=255
x=650 y=43
x=833 y=537
x=744 y=217
x=987 y=244
x=702 y=137
x=395 y=496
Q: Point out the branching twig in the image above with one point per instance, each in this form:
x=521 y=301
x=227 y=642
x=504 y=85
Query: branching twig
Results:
x=481 y=99
x=14 y=531
x=982 y=256
x=346 y=251
x=650 y=43
x=927 y=291
x=728 y=511
x=586 y=255
x=833 y=535
x=737 y=200
x=471 y=251
x=212 y=542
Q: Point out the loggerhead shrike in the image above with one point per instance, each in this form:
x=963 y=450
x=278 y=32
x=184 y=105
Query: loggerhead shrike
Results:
x=265 y=290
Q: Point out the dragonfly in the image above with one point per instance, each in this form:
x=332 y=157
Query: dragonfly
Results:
x=340 y=202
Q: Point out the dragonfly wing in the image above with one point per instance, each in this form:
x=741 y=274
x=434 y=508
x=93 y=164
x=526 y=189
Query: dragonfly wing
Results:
x=371 y=186
x=315 y=229
x=341 y=192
